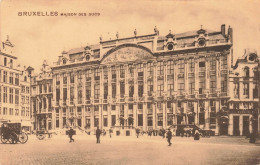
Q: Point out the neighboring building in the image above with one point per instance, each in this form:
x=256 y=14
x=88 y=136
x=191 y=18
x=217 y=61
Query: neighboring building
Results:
x=12 y=107
x=244 y=95
x=145 y=82
x=41 y=97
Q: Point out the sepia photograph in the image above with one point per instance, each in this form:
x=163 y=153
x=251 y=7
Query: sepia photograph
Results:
x=148 y=82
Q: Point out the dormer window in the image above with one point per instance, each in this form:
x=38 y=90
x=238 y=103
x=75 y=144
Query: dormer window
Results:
x=170 y=46
x=201 y=42
x=64 y=61
x=87 y=58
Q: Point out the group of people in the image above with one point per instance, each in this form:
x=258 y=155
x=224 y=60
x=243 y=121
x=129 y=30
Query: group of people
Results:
x=161 y=132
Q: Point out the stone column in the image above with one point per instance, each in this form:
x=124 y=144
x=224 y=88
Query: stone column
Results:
x=250 y=124
x=206 y=115
x=164 y=114
x=135 y=115
x=196 y=110
x=154 y=115
x=217 y=121
x=109 y=120
x=145 y=116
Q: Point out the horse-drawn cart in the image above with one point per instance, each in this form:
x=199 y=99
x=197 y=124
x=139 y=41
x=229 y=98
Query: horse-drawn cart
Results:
x=12 y=133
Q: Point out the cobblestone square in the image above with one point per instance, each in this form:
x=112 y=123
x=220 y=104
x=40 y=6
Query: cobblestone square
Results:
x=131 y=150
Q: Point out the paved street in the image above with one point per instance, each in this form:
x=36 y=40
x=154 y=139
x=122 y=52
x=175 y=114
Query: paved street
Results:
x=130 y=150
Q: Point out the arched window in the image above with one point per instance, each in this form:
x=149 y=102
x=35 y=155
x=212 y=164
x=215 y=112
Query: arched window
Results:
x=11 y=63
x=5 y=61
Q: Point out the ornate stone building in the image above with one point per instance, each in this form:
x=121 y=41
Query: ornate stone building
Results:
x=14 y=88
x=147 y=81
x=41 y=97
x=244 y=95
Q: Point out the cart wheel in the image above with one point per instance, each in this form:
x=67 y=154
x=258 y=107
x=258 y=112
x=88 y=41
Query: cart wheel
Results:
x=40 y=136
x=3 y=139
x=23 y=137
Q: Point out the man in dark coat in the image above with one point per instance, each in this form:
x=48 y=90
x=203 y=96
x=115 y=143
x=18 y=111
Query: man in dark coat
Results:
x=71 y=133
x=98 y=133
x=169 y=137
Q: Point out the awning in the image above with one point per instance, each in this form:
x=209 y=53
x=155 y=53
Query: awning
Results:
x=26 y=123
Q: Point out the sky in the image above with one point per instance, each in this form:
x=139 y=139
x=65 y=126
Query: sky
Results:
x=37 y=38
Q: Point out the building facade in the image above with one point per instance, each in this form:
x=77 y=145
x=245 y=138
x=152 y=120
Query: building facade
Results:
x=41 y=98
x=146 y=82
x=244 y=95
x=14 y=88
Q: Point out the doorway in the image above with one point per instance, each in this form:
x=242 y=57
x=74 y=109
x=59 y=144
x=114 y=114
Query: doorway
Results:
x=246 y=126
x=236 y=131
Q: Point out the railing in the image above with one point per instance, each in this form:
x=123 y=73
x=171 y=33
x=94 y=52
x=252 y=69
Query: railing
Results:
x=190 y=75
x=202 y=96
x=223 y=94
x=201 y=73
x=213 y=95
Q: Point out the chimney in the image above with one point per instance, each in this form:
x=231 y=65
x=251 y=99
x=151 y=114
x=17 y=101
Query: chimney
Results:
x=223 y=29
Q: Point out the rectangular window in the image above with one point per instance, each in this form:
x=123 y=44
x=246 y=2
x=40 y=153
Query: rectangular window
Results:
x=150 y=88
x=79 y=95
x=224 y=83
x=131 y=90
x=160 y=68
x=122 y=71
x=150 y=121
x=105 y=90
x=212 y=117
x=150 y=69
x=64 y=94
x=213 y=84
x=64 y=79
x=140 y=119
x=122 y=89
x=97 y=74
x=160 y=87
x=16 y=112
x=16 y=96
x=11 y=78
x=113 y=121
x=113 y=107
x=201 y=118
x=191 y=65
x=4 y=76
x=113 y=90
x=113 y=72
x=181 y=87
x=96 y=91
x=213 y=63
x=105 y=73
x=71 y=78
x=224 y=62
x=88 y=75
x=202 y=86
x=131 y=70
x=71 y=95
x=170 y=67
x=88 y=90
x=105 y=121
x=170 y=86
x=104 y=107
x=11 y=95
x=11 y=111
x=140 y=88
x=191 y=86
x=181 y=66
x=16 y=79
x=4 y=111
x=140 y=106
x=5 y=94
x=160 y=120
x=130 y=106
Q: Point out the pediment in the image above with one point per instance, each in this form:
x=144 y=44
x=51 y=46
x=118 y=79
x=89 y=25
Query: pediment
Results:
x=125 y=53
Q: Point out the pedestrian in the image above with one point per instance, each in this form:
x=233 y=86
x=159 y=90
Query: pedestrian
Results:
x=110 y=132
x=71 y=133
x=197 y=135
x=98 y=132
x=163 y=133
x=137 y=132
x=169 y=137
